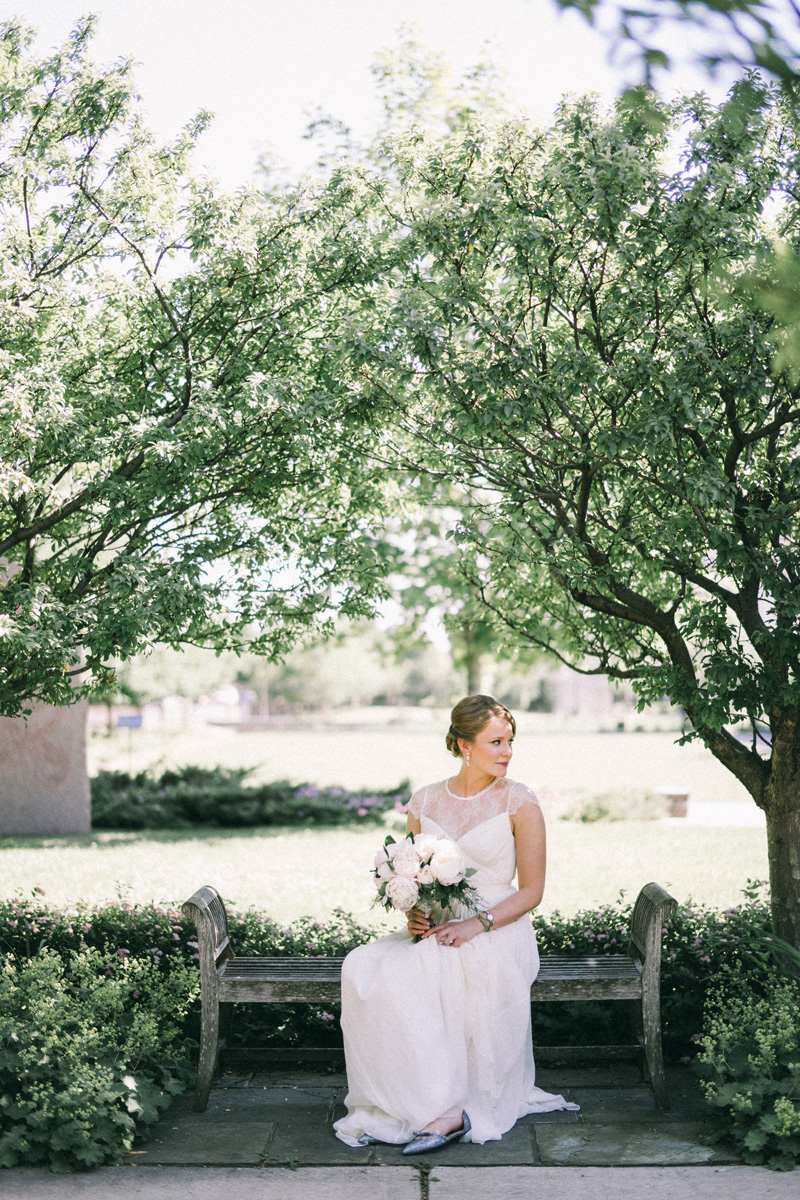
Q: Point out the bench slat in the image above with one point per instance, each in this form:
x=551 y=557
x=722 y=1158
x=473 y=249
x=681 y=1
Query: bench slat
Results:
x=317 y=980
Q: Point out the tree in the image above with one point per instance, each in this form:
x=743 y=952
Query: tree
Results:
x=179 y=463
x=433 y=578
x=743 y=33
x=569 y=344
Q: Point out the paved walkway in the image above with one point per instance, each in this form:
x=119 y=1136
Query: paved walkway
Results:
x=268 y=1137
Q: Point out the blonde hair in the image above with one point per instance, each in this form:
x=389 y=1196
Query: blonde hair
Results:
x=470 y=716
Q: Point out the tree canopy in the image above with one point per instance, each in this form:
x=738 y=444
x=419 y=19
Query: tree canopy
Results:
x=571 y=343
x=742 y=33
x=178 y=462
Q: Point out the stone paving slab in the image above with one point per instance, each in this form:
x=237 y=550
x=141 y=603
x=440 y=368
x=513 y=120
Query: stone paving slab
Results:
x=202 y=1183
x=620 y=1105
x=284 y=1119
x=619 y=1183
x=304 y=1137
x=676 y=1144
x=209 y=1141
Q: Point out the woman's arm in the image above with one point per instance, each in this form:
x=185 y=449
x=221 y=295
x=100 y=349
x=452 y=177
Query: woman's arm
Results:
x=530 y=837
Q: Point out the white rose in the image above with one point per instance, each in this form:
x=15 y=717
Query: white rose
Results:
x=402 y=892
x=448 y=864
x=406 y=861
x=425 y=844
x=425 y=875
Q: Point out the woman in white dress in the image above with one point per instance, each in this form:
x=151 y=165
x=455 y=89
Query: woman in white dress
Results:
x=437 y=1033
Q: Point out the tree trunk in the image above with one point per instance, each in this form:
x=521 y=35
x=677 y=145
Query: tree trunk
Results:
x=783 y=845
x=472 y=661
x=774 y=785
x=783 y=829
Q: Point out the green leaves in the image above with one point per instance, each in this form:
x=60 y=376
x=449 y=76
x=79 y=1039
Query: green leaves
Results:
x=84 y=1065
x=587 y=374
x=178 y=448
x=750 y=1066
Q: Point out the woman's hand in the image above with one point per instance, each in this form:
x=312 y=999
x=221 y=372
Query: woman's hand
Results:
x=418 y=923
x=455 y=933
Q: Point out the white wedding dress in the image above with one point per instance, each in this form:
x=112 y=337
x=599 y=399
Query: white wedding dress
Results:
x=427 y=1027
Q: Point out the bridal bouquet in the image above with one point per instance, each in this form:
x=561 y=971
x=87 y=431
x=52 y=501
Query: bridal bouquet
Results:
x=425 y=872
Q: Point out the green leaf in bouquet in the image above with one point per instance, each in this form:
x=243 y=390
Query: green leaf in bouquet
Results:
x=470 y=871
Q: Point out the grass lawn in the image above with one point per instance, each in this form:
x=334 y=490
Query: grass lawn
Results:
x=288 y=873
x=552 y=755
x=292 y=872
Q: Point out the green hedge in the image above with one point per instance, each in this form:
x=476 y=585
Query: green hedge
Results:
x=218 y=796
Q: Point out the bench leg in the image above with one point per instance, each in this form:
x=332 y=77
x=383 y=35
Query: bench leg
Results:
x=651 y=1035
x=637 y=1029
x=225 y=1021
x=209 y=1052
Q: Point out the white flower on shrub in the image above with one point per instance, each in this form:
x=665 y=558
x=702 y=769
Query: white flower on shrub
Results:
x=448 y=863
x=402 y=892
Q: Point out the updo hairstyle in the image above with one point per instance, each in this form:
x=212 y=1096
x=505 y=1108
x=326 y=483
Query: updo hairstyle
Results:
x=470 y=716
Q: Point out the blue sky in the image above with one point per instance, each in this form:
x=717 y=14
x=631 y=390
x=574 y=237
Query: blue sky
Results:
x=261 y=65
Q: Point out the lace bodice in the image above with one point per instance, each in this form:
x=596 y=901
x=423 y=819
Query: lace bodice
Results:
x=457 y=815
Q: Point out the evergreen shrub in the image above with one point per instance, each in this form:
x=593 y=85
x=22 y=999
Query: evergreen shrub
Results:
x=220 y=796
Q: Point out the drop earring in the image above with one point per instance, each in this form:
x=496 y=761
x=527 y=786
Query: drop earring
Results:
x=468 y=758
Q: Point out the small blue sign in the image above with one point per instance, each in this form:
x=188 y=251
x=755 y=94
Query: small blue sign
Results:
x=132 y=722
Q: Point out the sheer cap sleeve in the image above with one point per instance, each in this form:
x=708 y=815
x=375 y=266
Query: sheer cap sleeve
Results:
x=416 y=805
x=519 y=796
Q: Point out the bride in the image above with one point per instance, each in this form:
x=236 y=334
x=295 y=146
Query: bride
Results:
x=437 y=1033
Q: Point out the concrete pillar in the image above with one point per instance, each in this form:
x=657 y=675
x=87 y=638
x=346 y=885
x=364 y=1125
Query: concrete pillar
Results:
x=44 y=787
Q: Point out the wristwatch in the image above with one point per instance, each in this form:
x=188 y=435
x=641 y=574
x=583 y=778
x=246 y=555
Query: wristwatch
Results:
x=487 y=921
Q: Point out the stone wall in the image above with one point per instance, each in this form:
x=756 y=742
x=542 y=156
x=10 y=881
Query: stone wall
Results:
x=44 y=787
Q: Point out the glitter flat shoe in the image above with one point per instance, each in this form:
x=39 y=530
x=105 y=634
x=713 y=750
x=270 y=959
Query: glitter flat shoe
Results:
x=423 y=1142
x=367 y=1139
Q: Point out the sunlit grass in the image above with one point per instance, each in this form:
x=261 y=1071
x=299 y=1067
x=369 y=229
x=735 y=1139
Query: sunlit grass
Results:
x=288 y=873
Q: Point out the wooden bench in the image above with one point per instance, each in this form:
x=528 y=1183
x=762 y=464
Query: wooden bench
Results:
x=226 y=980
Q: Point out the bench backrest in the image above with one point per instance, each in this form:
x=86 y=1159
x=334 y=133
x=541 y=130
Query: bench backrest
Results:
x=653 y=905
x=207 y=910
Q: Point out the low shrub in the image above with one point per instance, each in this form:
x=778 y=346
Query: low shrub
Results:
x=218 y=796
x=698 y=942
x=624 y=804
x=749 y=1064
x=90 y=1055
